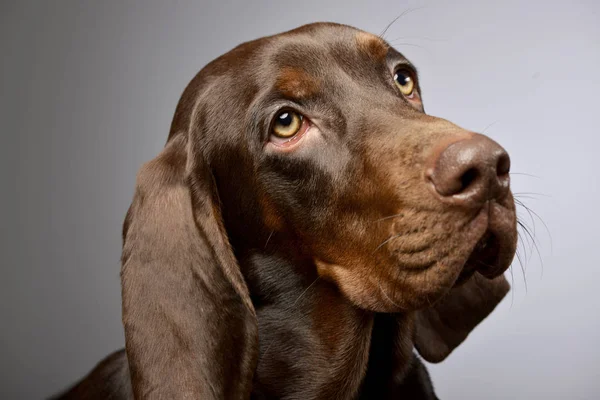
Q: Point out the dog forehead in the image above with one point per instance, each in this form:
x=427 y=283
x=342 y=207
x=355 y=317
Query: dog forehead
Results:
x=313 y=44
x=300 y=59
x=310 y=60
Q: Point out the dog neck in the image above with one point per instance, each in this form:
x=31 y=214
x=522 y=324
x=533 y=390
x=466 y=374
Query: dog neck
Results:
x=310 y=333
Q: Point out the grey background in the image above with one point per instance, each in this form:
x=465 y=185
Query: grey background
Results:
x=87 y=92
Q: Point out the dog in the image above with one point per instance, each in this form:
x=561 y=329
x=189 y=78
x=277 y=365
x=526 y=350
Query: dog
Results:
x=308 y=231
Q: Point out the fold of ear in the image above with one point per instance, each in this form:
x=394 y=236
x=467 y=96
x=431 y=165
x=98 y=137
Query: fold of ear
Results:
x=190 y=327
x=442 y=327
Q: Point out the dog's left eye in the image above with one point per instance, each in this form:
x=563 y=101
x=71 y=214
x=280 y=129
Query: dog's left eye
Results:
x=405 y=82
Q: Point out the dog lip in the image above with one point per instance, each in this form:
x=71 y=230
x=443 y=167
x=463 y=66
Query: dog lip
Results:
x=488 y=246
x=481 y=258
x=471 y=232
x=494 y=251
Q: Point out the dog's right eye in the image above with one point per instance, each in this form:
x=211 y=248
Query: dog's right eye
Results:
x=287 y=124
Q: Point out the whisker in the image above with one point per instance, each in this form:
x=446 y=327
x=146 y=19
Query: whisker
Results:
x=407 y=44
x=305 y=290
x=531 y=194
x=408 y=11
x=530 y=216
x=266 y=350
x=533 y=213
x=522 y=245
x=385 y=294
x=522 y=270
x=528 y=238
x=512 y=284
x=529 y=210
x=263 y=355
x=419 y=38
x=269 y=238
x=386 y=241
x=523 y=173
x=522 y=221
x=489 y=126
x=535 y=246
x=528 y=197
x=390 y=217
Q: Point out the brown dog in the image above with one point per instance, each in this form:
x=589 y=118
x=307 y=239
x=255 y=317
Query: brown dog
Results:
x=305 y=228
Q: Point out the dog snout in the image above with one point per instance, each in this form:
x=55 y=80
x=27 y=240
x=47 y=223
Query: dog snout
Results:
x=471 y=171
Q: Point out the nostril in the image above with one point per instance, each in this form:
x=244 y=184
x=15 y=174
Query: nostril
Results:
x=468 y=178
x=471 y=171
x=503 y=165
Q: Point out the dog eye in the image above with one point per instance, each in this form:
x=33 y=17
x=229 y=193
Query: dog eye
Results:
x=287 y=124
x=404 y=81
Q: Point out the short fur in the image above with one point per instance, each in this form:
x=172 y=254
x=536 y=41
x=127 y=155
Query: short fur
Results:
x=248 y=272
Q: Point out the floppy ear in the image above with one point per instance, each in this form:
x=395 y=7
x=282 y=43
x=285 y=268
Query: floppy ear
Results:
x=442 y=327
x=190 y=327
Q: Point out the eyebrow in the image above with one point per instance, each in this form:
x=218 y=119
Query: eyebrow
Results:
x=372 y=45
x=296 y=83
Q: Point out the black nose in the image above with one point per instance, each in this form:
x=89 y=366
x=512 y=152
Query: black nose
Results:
x=471 y=171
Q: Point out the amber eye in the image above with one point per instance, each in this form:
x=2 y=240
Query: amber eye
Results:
x=287 y=124
x=404 y=81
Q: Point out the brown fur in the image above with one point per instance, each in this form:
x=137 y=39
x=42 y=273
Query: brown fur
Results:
x=372 y=45
x=249 y=272
x=296 y=83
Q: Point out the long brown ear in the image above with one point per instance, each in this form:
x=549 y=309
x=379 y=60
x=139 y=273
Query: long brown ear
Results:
x=442 y=327
x=190 y=327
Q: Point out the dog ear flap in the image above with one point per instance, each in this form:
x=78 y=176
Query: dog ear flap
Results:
x=442 y=327
x=190 y=327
